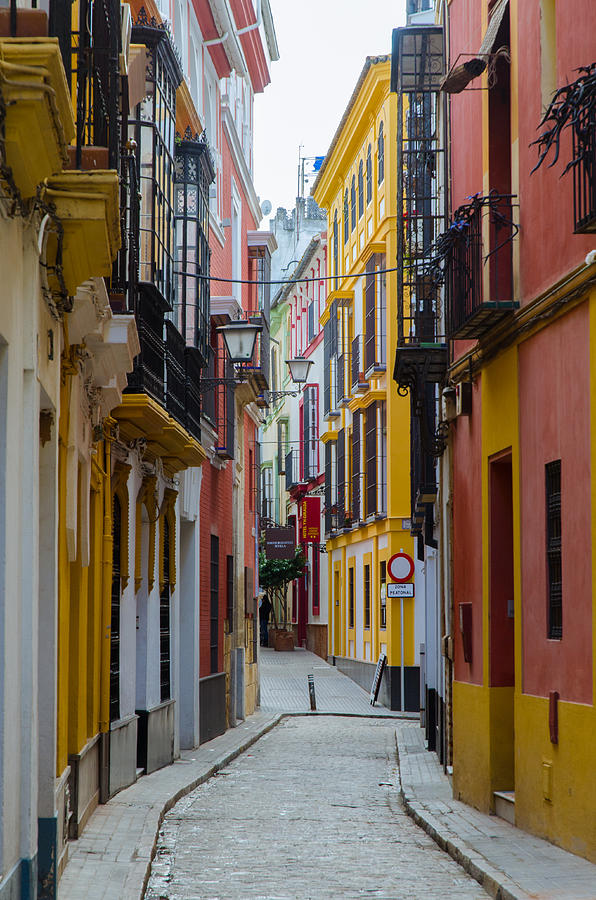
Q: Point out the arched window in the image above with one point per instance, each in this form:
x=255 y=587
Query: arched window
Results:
x=353 y=202
x=360 y=190
x=115 y=616
x=381 y=154
x=346 y=217
x=335 y=248
x=368 y=175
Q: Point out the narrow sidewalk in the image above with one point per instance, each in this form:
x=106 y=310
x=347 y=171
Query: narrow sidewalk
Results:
x=112 y=858
x=509 y=863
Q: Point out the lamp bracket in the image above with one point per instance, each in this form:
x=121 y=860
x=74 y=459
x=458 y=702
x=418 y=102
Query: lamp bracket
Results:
x=273 y=396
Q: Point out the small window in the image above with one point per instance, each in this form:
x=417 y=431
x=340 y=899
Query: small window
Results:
x=553 y=549
x=350 y=598
x=353 y=202
x=367 y=596
x=346 y=217
x=381 y=154
x=368 y=175
x=360 y=190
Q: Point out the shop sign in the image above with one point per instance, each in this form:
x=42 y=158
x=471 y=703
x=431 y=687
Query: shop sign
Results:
x=311 y=520
x=280 y=543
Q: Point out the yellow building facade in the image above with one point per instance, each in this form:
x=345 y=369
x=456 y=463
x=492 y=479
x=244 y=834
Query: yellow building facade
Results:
x=366 y=442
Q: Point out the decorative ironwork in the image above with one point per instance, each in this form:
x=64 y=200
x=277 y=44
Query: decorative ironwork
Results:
x=574 y=106
x=471 y=310
x=194 y=172
x=175 y=387
x=149 y=369
x=292 y=467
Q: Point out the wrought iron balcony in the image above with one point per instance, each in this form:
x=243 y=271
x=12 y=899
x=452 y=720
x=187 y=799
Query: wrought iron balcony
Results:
x=149 y=370
x=175 y=389
x=193 y=364
x=574 y=106
x=292 y=468
x=478 y=252
x=343 y=373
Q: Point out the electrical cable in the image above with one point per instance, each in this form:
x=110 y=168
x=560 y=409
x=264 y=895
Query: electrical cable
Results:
x=295 y=280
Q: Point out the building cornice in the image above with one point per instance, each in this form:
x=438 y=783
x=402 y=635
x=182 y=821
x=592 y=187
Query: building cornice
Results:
x=240 y=163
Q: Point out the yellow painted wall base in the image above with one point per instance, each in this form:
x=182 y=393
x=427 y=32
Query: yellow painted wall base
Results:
x=569 y=818
x=555 y=784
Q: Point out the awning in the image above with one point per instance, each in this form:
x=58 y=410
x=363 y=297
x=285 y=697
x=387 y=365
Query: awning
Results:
x=460 y=76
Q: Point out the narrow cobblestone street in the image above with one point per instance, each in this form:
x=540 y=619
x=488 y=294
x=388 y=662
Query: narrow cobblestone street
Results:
x=310 y=811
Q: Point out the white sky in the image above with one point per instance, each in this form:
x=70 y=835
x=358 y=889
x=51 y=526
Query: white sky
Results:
x=322 y=47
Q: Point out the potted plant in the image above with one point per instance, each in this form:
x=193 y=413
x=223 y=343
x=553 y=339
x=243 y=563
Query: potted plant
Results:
x=274 y=576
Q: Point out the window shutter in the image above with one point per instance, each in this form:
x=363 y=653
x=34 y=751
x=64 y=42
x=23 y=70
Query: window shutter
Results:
x=356 y=467
x=341 y=477
x=371 y=459
x=369 y=313
x=327 y=488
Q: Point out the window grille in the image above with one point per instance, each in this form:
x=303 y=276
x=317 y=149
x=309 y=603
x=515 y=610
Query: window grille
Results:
x=351 y=597
x=360 y=189
x=369 y=177
x=346 y=217
x=115 y=612
x=165 y=686
x=328 y=488
x=353 y=203
x=553 y=549
x=214 y=604
x=382 y=458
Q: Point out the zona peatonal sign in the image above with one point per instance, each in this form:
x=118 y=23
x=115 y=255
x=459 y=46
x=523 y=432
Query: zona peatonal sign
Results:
x=280 y=543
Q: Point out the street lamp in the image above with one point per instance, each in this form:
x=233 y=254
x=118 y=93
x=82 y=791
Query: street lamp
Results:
x=239 y=338
x=299 y=368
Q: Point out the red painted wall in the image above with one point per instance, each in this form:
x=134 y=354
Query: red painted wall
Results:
x=217 y=485
x=467 y=529
x=549 y=249
x=554 y=398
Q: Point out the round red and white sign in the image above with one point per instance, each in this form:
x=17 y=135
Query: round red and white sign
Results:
x=400 y=567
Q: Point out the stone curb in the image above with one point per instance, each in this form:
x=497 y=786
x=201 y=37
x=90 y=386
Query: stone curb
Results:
x=220 y=762
x=495 y=882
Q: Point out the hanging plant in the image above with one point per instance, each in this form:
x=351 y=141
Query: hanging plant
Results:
x=573 y=106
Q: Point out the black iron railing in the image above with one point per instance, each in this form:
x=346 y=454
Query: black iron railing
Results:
x=193 y=362
x=175 y=388
x=477 y=250
x=584 y=173
x=574 y=106
x=292 y=469
x=149 y=370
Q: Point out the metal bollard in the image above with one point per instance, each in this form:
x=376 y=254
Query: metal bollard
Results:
x=311 y=691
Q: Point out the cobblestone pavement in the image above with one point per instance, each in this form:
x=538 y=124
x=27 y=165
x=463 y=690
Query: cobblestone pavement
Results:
x=508 y=862
x=310 y=812
x=284 y=686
